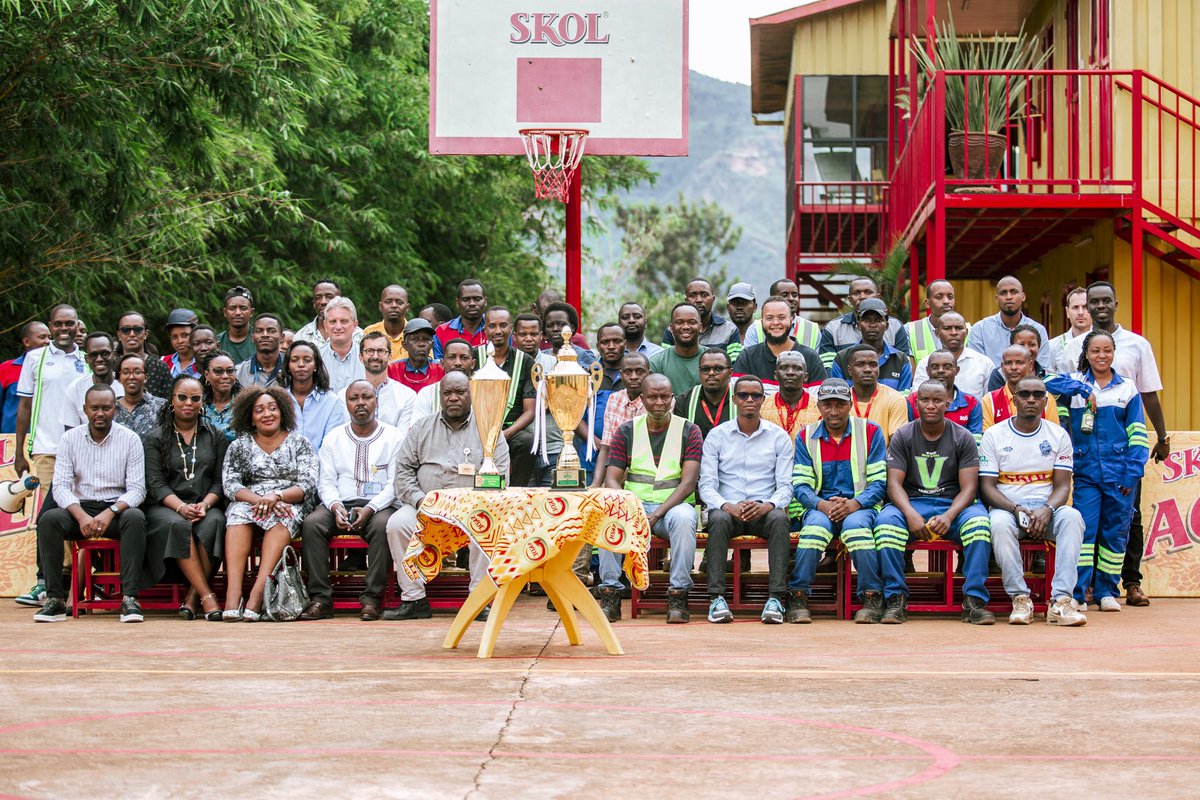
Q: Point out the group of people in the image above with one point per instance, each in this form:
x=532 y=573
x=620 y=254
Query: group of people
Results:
x=760 y=422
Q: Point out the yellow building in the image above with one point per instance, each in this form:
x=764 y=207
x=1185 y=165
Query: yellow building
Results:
x=1092 y=174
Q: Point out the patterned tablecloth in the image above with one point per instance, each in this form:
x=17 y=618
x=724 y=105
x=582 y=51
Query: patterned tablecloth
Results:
x=520 y=529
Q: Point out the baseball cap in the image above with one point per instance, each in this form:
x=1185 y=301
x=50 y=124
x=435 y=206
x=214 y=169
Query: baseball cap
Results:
x=833 y=389
x=741 y=291
x=240 y=291
x=417 y=324
x=872 y=304
x=181 y=316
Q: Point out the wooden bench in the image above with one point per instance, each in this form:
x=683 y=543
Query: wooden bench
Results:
x=104 y=574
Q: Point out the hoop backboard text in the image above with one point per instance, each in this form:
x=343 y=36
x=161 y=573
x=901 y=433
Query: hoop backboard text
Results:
x=618 y=68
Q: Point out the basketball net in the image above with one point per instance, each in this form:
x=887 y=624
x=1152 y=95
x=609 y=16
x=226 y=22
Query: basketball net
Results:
x=553 y=155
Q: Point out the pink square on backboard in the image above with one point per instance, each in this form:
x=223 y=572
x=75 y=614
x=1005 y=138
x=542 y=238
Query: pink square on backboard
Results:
x=558 y=90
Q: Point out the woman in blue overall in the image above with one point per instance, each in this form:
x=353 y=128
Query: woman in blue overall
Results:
x=1109 y=461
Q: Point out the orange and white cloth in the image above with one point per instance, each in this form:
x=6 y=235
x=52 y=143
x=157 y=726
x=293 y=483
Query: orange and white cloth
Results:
x=520 y=529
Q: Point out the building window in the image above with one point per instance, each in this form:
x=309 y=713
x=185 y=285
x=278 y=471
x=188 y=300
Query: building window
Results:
x=844 y=128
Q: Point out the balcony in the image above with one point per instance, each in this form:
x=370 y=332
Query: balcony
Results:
x=835 y=220
x=1090 y=145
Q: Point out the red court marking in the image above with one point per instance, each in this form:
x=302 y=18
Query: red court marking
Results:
x=944 y=759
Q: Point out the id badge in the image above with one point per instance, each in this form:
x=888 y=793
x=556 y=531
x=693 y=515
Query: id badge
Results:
x=372 y=488
x=466 y=469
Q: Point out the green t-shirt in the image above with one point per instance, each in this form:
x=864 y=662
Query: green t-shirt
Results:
x=239 y=350
x=684 y=373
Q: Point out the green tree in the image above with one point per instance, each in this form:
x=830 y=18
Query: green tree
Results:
x=663 y=247
x=889 y=275
x=153 y=153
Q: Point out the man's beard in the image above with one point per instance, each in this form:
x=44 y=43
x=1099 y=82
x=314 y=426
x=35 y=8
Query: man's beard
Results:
x=775 y=339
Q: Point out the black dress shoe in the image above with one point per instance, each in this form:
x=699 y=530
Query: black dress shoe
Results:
x=409 y=609
x=316 y=610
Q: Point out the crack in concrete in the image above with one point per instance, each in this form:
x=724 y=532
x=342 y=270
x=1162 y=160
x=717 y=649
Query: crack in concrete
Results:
x=476 y=789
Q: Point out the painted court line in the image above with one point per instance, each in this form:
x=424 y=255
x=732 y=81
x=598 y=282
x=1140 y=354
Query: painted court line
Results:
x=485 y=669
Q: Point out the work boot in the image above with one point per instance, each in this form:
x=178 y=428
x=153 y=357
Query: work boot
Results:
x=973 y=611
x=610 y=603
x=1134 y=596
x=897 y=610
x=798 y=613
x=677 y=610
x=872 y=610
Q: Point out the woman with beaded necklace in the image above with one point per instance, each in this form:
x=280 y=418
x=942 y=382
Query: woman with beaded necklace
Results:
x=184 y=456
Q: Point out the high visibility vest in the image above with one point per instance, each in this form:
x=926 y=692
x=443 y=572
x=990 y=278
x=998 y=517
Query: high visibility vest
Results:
x=804 y=331
x=694 y=402
x=858 y=454
x=922 y=340
x=651 y=482
x=483 y=352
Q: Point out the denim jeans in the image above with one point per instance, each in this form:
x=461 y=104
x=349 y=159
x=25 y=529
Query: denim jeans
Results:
x=1066 y=531
x=678 y=527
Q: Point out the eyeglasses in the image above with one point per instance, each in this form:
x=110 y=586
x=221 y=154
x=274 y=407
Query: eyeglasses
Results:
x=708 y=369
x=134 y=329
x=1031 y=394
x=223 y=370
x=745 y=396
x=375 y=351
x=183 y=398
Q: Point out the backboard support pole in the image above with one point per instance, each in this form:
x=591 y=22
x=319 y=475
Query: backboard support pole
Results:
x=574 y=255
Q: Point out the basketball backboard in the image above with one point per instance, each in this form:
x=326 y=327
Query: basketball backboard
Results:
x=618 y=68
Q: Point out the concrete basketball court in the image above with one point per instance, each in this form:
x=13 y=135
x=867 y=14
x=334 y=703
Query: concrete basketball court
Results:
x=343 y=708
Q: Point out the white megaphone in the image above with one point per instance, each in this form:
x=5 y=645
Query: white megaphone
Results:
x=13 y=493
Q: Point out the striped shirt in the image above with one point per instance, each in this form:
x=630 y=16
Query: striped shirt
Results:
x=112 y=470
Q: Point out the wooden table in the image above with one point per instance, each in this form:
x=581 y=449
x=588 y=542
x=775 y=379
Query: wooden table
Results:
x=530 y=535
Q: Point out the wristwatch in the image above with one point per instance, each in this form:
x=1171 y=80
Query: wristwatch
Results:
x=114 y=508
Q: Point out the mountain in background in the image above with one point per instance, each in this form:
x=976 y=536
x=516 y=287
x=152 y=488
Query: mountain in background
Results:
x=733 y=162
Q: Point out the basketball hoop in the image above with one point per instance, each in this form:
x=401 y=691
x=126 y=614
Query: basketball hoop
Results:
x=553 y=155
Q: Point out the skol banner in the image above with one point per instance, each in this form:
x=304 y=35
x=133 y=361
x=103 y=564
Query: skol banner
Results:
x=1171 y=517
x=18 y=540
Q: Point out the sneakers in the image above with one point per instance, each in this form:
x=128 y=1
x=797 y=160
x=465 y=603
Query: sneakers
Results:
x=772 y=613
x=973 y=611
x=798 y=613
x=1063 y=611
x=35 y=597
x=872 y=610
x=1022 y=613
x=718 y=611
x=1109 y=604
x=131 y=611
x=1079 y=606
x=410 y=609
x=896 y=612
x=610 y=603
x=55 y=610
x=677 y=610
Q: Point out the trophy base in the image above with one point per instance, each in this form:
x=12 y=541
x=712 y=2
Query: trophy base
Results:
x=490 y=481
x=569 y=480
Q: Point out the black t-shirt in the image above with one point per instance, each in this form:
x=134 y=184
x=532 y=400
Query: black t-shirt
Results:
x=723 y=411
x=931 y=467
x=759 y=361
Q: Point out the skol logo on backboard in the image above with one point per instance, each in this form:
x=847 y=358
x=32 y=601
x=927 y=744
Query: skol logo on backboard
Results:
x=555 y=29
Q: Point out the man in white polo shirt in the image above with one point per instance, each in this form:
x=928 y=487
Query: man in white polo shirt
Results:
x=1025 y=467
x=43 y=412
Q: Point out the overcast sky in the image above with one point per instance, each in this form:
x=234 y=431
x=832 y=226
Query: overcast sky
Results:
x=720 y=35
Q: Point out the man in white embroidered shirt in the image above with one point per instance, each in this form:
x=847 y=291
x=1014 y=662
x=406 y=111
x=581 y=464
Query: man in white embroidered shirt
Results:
x=746 y=484
x=357 y=497
x=99 y=482
x=1025 y=467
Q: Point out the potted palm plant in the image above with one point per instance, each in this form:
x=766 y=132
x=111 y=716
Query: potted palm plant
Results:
x=975 y=125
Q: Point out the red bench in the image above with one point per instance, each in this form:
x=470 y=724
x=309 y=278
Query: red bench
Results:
x=746 y=590
x=939 y=590
x=105 y=575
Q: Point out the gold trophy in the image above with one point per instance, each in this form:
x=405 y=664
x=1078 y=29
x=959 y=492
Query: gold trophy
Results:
x=568 y=389
x=489 y=402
